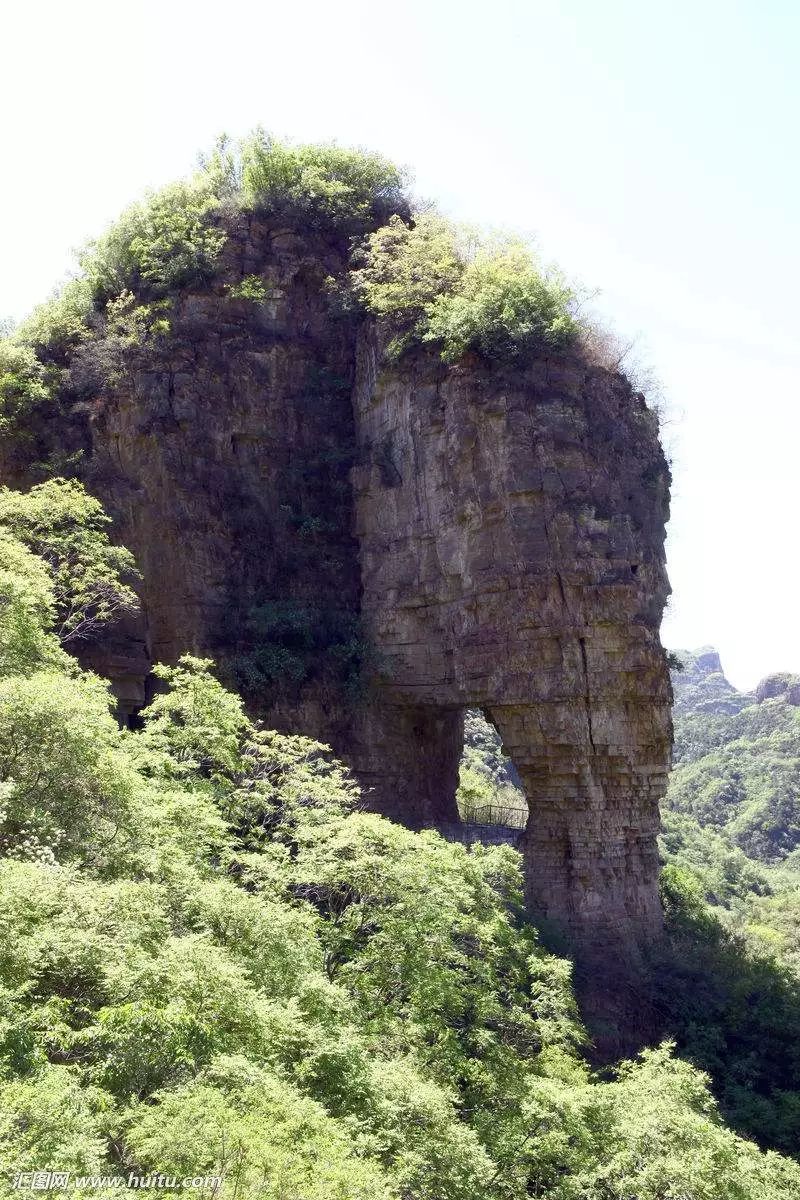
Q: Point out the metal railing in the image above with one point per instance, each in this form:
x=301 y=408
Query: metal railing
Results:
x=509 y=816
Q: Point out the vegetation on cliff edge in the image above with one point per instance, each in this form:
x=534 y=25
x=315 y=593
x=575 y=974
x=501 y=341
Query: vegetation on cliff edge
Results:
x=427 y=280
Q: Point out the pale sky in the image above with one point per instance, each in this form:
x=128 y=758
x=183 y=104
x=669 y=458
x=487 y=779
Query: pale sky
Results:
x=651 y=148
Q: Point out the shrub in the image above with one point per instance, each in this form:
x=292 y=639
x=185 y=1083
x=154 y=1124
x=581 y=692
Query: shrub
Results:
x=293 y=641
x=131 y=324
x=432 y=282
x=504 y=307
x=402 y=270
x=654 y=1134
x=166 y=241
x=431 y=1154
x=252 y=287
x=52 y=1120
x=196 y=726
x=71 y=790
x=171 y=1013
x=26 y=610
x=347 y=189
x=267 y=1139
x=733 y=1009
x=54 y=329
x=26 y=384
x=451 y=960
x=173 y=239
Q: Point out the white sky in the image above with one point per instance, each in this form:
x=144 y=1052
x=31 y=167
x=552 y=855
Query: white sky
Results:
x=651 y=148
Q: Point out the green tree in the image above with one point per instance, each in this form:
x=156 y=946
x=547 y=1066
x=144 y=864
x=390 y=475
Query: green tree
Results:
x=353 y=190
x=52 y=1119
x=255 y=1129
x=57 y=327
x=70 y=791
x=505 y=307
x=432 y=282
x=401 y=271
x=67 y=529
x=167 y=241
x=27 y=385
x=27 y=611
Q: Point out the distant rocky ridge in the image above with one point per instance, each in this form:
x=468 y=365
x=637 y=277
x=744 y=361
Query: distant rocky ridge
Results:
x=736 y=760
x=700 y=686
x=782 y=684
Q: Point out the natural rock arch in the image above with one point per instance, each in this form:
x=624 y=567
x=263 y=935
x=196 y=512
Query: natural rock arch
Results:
x=498 y=531
x=513 y=560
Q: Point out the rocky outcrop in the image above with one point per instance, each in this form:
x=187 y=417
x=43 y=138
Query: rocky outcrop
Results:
x=783 y=684
x=510 y=528
x=223 y=451
x=371 y=548
x=700 y=686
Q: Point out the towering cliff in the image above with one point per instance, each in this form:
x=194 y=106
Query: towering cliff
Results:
x=372 y=543
x=510 y=530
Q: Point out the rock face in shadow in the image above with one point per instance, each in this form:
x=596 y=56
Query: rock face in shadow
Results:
x=370 y=548
x=223 y=450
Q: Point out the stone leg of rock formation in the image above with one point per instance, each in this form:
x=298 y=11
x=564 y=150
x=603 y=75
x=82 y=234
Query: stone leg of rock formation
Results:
x=407 y=759
x=591 y=860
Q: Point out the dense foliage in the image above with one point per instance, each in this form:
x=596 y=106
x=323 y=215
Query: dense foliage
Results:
x=293 y=641
x=66 y=529
x=174 y=237
x=738 y=764
x=352 y=190
x=213 y=962
x=27 y=384
x=430 y=282
x=168 y=241
x=729 y=985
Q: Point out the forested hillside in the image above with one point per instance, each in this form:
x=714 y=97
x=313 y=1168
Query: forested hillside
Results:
x=737 y=759
x=214 y=963
x=729 y=839
x=726 y=984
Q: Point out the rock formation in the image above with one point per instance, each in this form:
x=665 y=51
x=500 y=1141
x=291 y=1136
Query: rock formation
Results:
x=494 y=537
x=699 y=685
x=783 y=684
x=510 y=534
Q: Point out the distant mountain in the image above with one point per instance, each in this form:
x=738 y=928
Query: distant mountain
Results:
x=737 y=756
x=700 y=685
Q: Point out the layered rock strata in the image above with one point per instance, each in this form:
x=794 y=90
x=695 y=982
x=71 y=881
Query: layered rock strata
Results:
x=510 y=528
x=496 y=536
